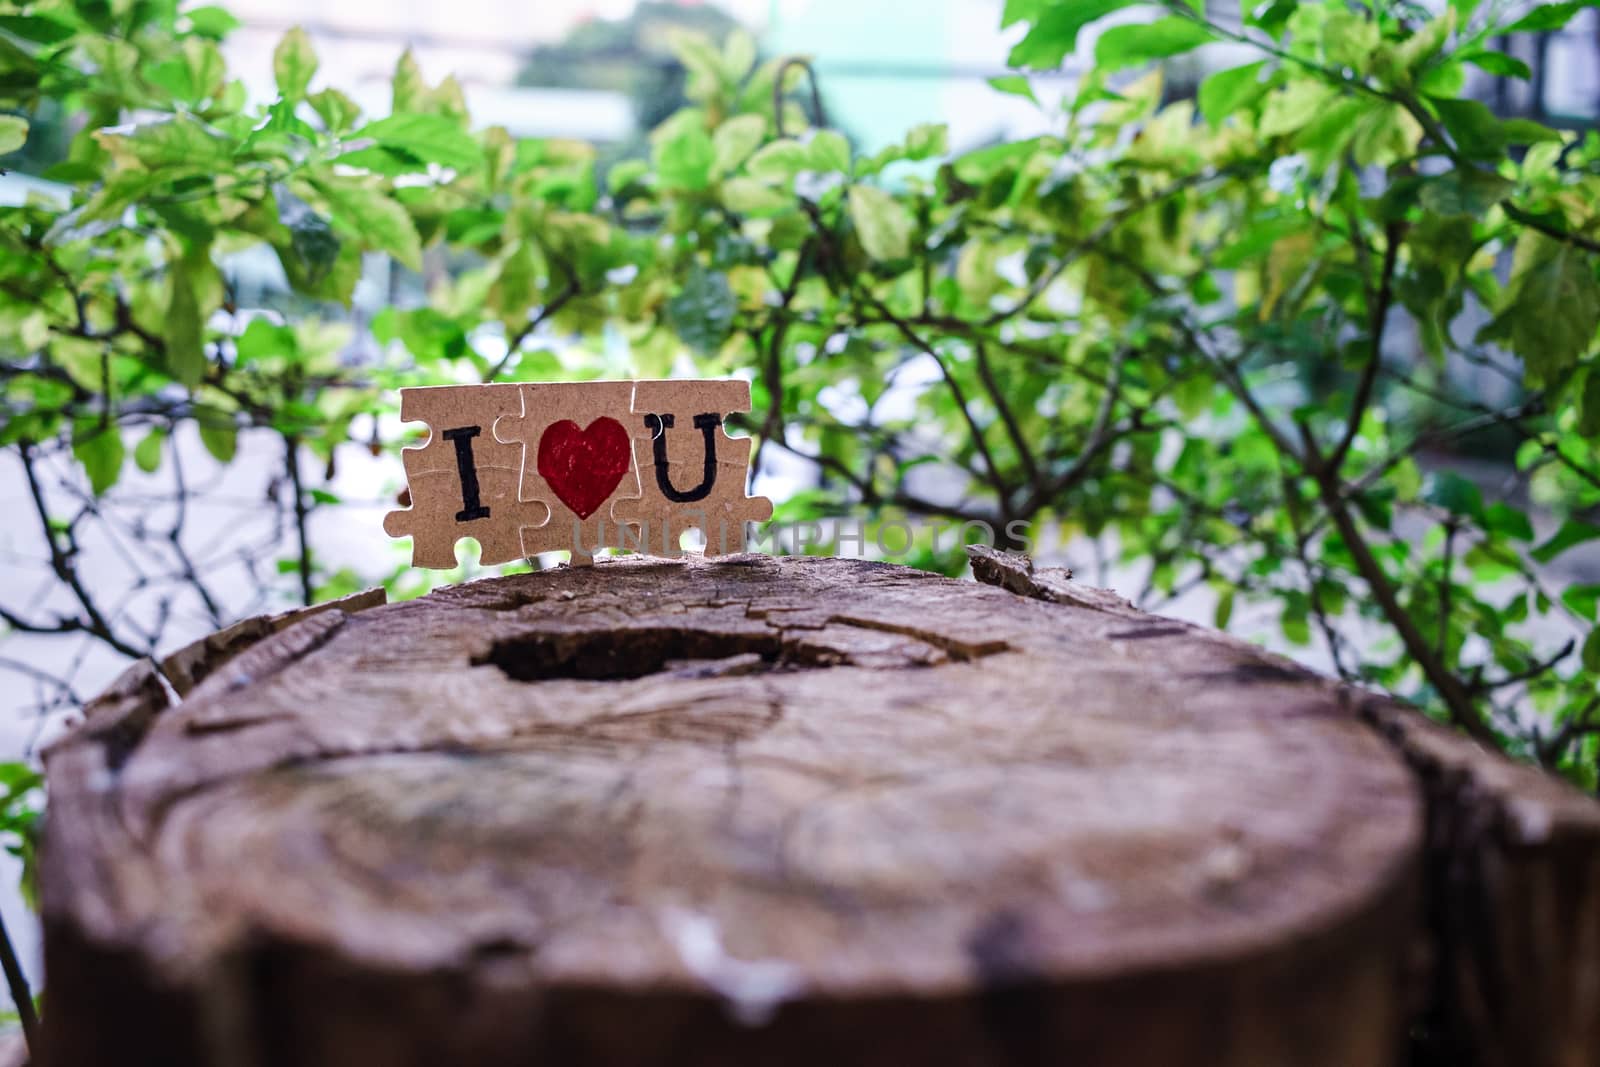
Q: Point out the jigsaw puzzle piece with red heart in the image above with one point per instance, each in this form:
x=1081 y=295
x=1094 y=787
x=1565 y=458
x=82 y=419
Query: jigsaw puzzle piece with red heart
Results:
x=463 y=482
x=578 y=460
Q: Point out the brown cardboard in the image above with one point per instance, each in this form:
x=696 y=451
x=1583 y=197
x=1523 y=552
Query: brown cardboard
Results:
x=575 y=466
x=577 y=525
x=463 y=482
x=681 y=449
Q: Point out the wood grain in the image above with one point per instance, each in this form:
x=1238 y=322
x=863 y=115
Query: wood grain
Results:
x=756 y=811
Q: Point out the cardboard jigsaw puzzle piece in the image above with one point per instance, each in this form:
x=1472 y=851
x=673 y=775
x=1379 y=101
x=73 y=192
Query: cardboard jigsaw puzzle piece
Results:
x=692 y=474
x=578 y=459
x=463 y=481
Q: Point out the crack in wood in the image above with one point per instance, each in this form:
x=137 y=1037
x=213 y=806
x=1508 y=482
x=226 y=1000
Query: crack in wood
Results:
x=955 y=648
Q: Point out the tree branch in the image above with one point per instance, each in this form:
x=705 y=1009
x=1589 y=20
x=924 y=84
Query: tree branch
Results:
x=1369 y=373
x=63 y=563
x=291 y=458
x=1450 y=688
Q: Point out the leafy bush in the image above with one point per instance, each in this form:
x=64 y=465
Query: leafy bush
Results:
x=1215 y=335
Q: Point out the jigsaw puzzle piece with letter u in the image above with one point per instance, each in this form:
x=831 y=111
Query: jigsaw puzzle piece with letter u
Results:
x=692 y=473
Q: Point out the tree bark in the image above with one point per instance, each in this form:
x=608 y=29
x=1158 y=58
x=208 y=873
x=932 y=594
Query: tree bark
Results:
x=795 y=811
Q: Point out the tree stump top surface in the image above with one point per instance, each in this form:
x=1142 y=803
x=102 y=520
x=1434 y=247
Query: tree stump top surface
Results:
x=760 y=778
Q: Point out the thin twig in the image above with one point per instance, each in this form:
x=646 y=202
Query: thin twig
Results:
x=291 y=450
x=64 y=563
x=1369 y=373
x=21 y=995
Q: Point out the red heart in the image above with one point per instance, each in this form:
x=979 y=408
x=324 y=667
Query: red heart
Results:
x=583 y=467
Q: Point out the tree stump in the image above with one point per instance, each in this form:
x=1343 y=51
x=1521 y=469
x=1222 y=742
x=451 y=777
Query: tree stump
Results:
x=795 y=811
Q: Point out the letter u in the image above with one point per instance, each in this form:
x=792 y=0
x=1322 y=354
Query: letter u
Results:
x=707 y=425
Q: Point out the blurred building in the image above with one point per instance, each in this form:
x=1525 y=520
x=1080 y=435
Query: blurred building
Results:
x=886 y=65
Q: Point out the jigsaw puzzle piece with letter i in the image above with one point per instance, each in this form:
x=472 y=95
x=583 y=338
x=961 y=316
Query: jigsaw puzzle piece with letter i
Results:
x=463 y=481
x=691 y=473
x=577 y=458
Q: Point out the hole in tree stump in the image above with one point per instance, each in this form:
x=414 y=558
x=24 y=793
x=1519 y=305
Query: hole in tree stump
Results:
x=619 y=655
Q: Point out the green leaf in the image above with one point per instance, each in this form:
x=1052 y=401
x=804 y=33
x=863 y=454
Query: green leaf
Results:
x=431 y=335
x=336 y=110
x=1527 y=131
x=178 y=141
x=700 y=57
x=1465 y=192
x=780 y=160
x=409 y=92
x=276 y=137
x=213 y=22
x=99 y=448
x=625 y=174
x=1135 y=43
x=1349 y=39
x=1507 y=521
x=294 y=61
x=1573 y=532
x=1258 y=239
x=1425 y=42
x=1497 y=63
x=38 y=28
x=1547 y=17
x=1270 y=16
x=1472 y=126
x=1591 y=651
x=1019 y=10
x=312 y=243
x=882 y=222
x=702 y=311
x=1582 y=599
x=829 y=152
x=1293 y=106
x=1325 y=137
x=1589 y=409
x=683 y=151
x=1224 y=610
x=1443 y=80
x=738 y=54
x=748 y=196
x=1386 y=134
x=264 y=339
x=1552 y=308
x=364 y=212
x=927 y=140
x=1456 y=495
x=430 y=138
x=1014 y=85
x=13 y=133
x=1296 y=628
x=985 y=163
x=184 y=332
x=1054 y=31
x=1226 y=91
x=147 y=453
x=220 y=436
x=208 y=71
x=734 y=140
